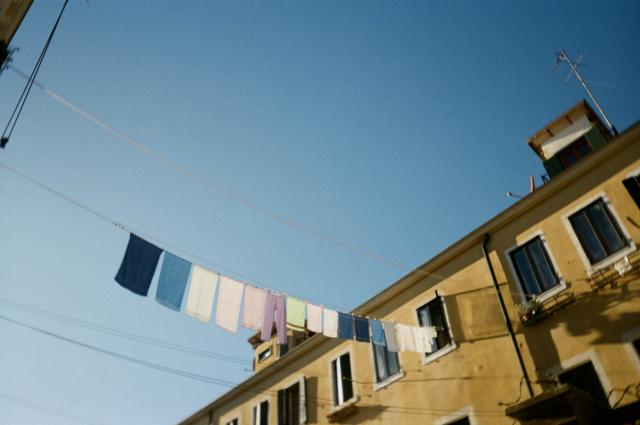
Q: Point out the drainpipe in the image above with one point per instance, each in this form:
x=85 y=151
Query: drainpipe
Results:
x=505 y=315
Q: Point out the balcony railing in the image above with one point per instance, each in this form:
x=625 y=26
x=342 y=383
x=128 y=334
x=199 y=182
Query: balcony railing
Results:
x=619 y=273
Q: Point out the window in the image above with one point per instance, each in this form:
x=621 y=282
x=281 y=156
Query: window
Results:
x=533 y=268
x=597 y=231
x=292 y=404
x=265 y=354
x=342 y=383
x=233 y=421
x=632 y=184
x=261 y=413
x=636 y=345
x=385 y=361
x=432 y=314
x=574 y=152
x=585 y=378
x=461 y=421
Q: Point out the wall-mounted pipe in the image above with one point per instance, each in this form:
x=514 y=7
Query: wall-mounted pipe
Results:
x=505 y=315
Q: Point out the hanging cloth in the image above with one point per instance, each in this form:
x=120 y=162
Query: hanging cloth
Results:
x=228 y=307
x=174 y=276
x=330 y=323
x=295 y=314
x=406 y=341
x=345 y=326
x=362 y=329
x=202 y=289
x=274 y=309
x=390 y=336
x=253 y=309
x=314 y=318
x=138 y=265
x=377 y=332
x=424 y=338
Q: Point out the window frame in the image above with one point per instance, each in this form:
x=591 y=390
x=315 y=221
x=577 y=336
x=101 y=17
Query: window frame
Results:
x=334 y=397
x=232 y=419
x=270 y=353
x=303 y=407
x=379 y=384
x=628 y=338
x=256 y=407
x=611 y=259
x=585 y=357
x=524 y=297
x=465 y=412
x=430 y=357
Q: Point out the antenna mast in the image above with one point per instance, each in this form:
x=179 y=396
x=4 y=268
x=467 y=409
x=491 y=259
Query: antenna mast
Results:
x=562 y=56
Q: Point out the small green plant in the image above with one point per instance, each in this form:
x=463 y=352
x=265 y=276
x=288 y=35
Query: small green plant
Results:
x=528 y=309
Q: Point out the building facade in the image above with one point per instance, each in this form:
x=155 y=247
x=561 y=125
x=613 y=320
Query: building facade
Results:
x=537 y=314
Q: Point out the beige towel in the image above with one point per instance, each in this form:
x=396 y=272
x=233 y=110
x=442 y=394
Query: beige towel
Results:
x=253 y=309
x=330 y=323
x=406 y=341
x=314 y=318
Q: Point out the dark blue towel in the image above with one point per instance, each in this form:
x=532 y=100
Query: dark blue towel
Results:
x=377 y=333
x=173 y=281
x=362 y=329
x=138 y=265
x=345 y=326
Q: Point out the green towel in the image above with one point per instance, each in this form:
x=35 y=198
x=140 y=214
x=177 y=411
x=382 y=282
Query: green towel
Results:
x=295 y=314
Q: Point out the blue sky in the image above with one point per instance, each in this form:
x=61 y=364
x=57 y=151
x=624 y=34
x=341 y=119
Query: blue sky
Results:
x=396 y=127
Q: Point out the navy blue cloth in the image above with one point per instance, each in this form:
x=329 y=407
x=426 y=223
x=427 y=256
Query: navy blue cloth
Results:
x=345 y=326
x=172 y=281
x=377 y=333
x=138 y=265
x=362 y=329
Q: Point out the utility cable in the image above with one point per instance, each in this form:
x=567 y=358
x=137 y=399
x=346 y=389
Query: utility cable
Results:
x=158 y=156
x=325 y=402
x=119 y=333
x=17 y=110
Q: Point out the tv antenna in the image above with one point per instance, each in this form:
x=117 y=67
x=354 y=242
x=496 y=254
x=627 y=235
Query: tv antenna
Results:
x=562 y=56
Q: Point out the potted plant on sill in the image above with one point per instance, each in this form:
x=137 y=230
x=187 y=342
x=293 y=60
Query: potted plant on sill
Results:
x=530 y=311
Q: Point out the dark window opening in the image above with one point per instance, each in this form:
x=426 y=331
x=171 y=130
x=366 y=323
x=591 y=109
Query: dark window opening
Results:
x=342 y=383
x=597 y=231
x=261 y=413
x=432 y=314
x=533 y=267
x=292 y=408
x=461 y=421
x=574 y=152
x=265 y=354
x=586 y=378
x=636 y=346
x=632 y=184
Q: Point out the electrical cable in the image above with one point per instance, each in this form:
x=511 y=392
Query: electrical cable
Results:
x=17 y=111
x=158 y=156
x=225 y=383
x=122 y=334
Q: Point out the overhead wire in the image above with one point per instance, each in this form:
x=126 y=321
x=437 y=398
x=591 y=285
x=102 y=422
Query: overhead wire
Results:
x=17 y=110
x=323 y=402
x=120 y=333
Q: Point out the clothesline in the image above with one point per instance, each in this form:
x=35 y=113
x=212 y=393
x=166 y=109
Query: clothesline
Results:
x=256 y=308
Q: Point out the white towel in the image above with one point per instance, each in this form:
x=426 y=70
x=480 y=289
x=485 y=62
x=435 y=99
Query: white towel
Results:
x=228 y=307
x=424 y=338
x=253 y=309
x=202 y=289
x=314 y=318
x=406 y=341
x=330 y=323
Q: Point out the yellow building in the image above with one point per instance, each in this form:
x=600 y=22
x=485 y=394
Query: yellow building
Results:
x=560 y=264
x=11 y=15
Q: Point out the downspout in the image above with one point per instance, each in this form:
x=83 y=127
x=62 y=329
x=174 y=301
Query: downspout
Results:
x=505 y=315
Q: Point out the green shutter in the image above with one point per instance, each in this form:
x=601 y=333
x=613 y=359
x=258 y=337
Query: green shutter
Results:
x=553 y=166
x=595 y=138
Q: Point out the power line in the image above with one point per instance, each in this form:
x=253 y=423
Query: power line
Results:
x=51 y=411
x=17 y=111
x=158 y=156
x=120 y=333
x=324 y=402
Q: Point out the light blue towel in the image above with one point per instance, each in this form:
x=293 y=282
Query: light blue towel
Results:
x=377 y=333
x=173 y=281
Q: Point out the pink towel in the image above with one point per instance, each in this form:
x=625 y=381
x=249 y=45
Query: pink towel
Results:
x=228 y=307
x=406 y=341
x=253 y=309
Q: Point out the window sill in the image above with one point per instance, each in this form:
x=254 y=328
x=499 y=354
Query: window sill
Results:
x=390 y=380
x=441 y=352
x=612 y=259
x=561 y=286
x=346 y=409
